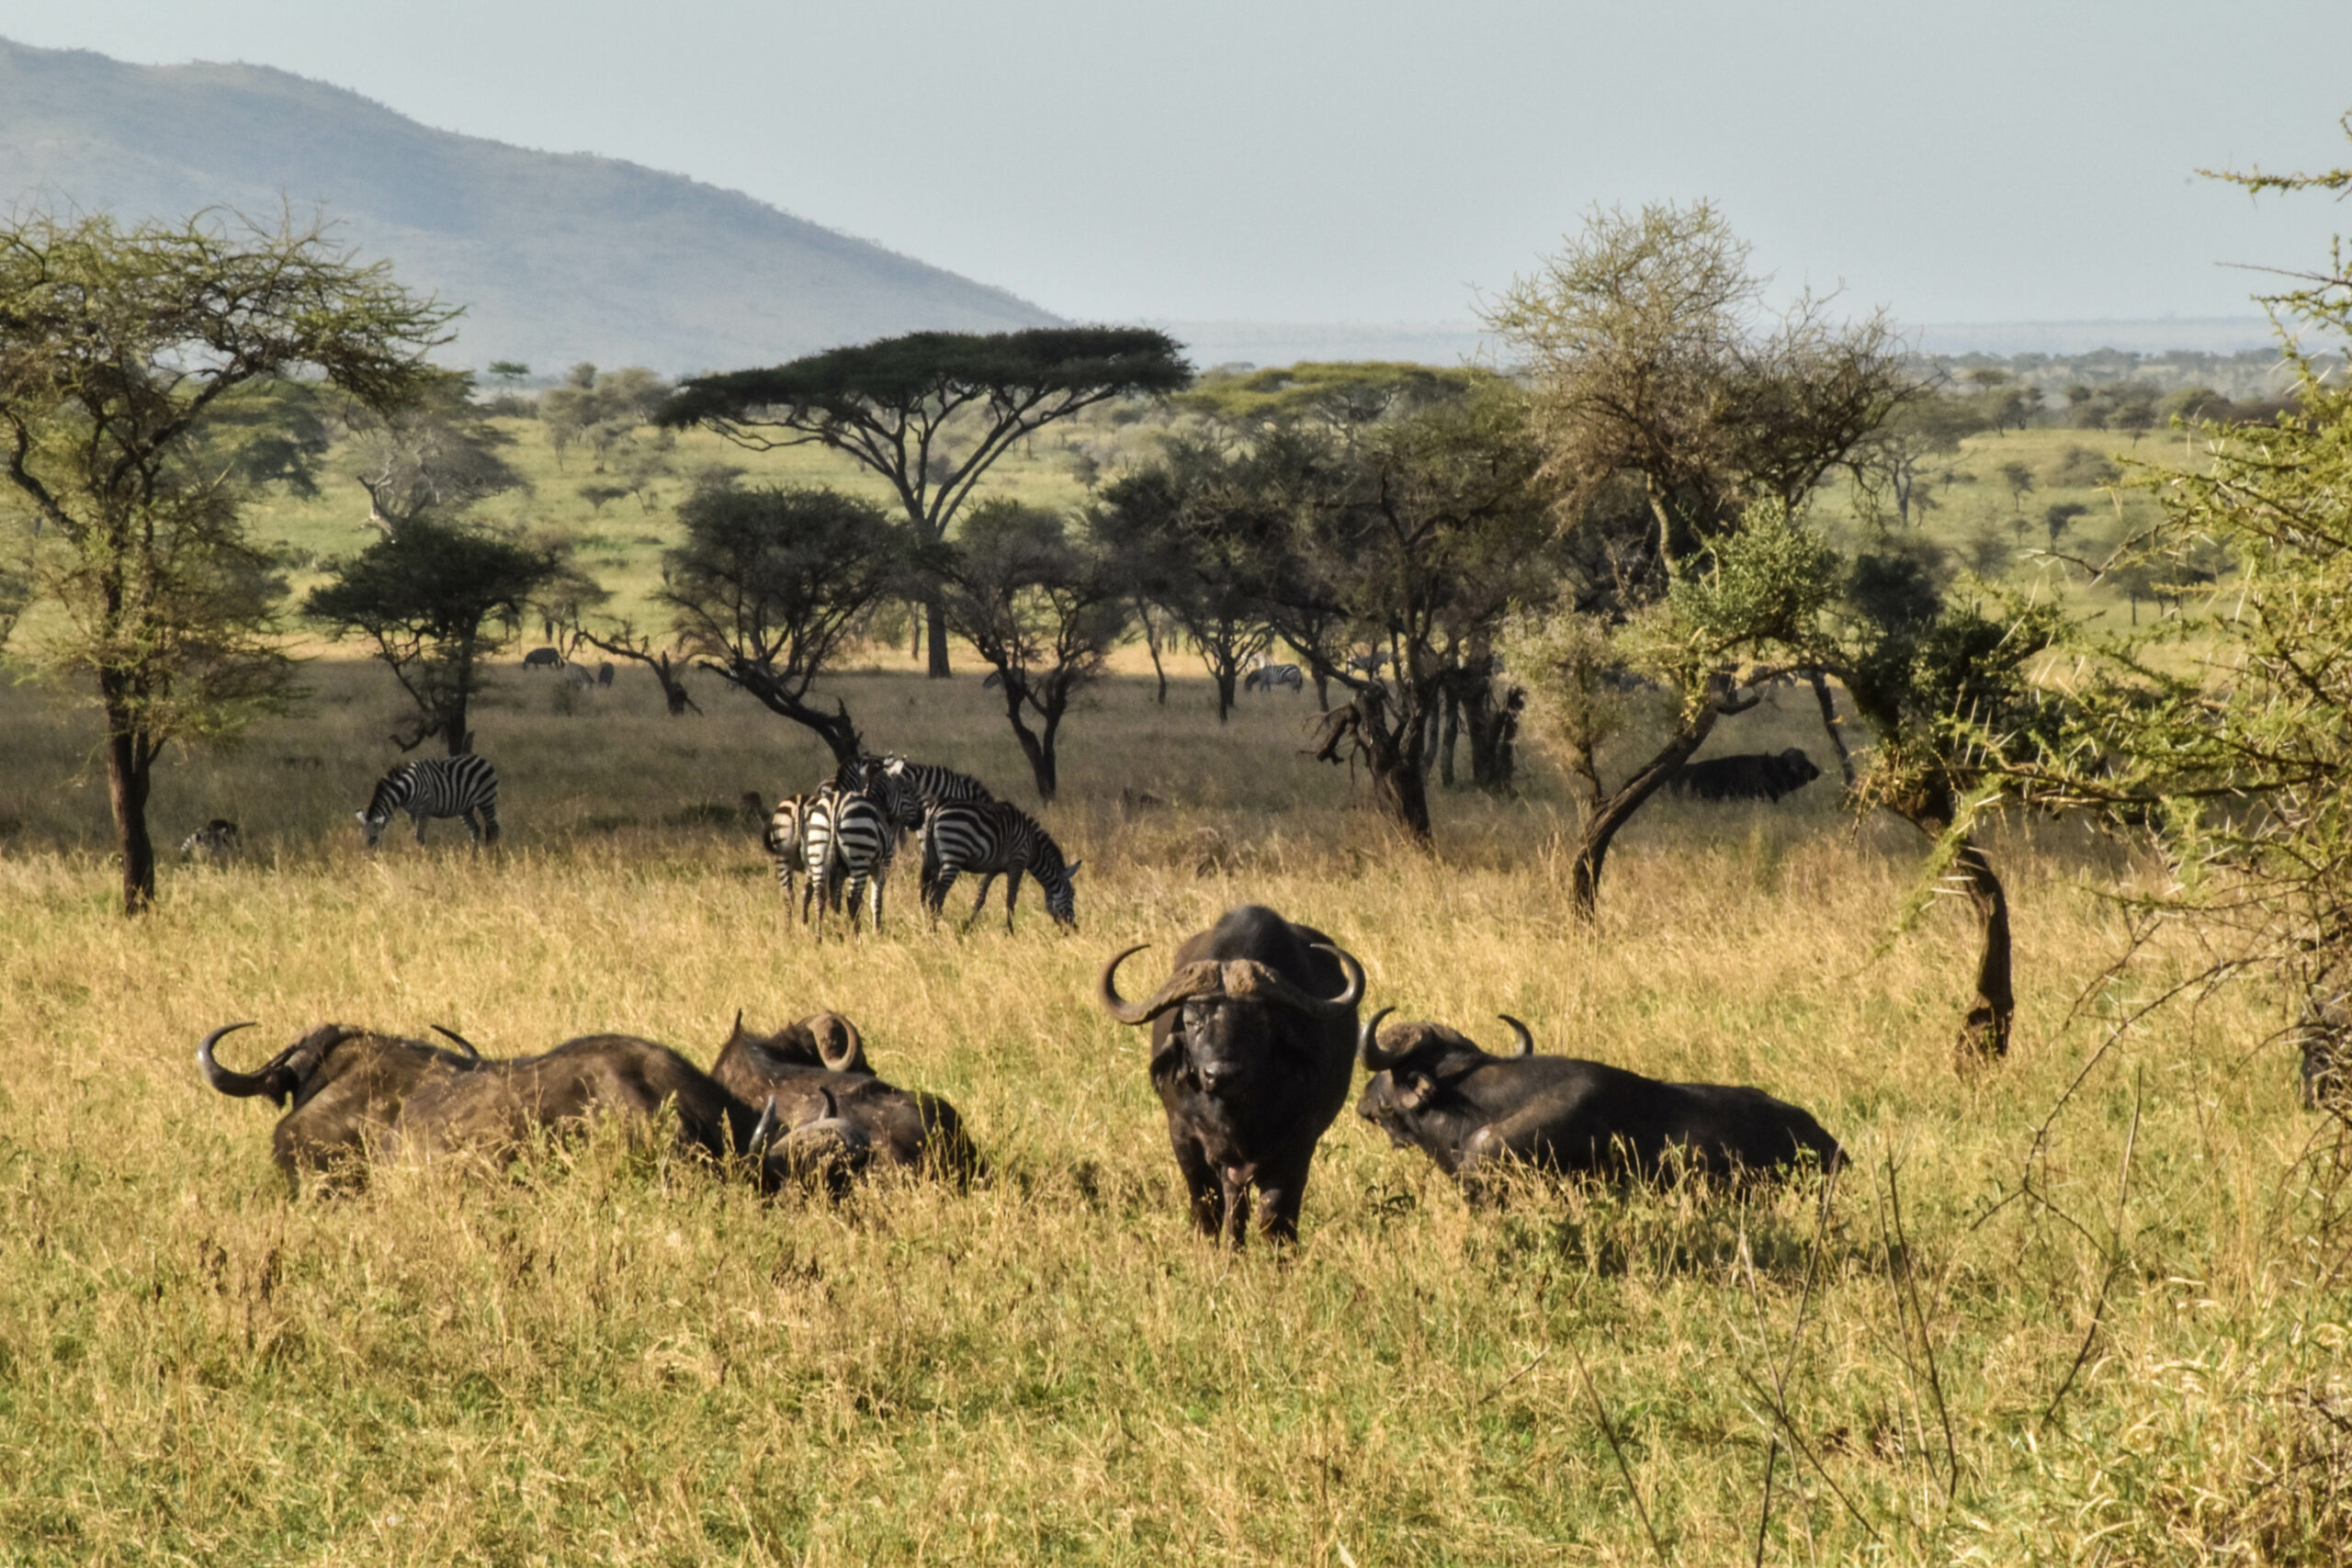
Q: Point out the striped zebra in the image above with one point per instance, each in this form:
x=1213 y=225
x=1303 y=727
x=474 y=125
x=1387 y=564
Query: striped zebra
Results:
x=992 y=838
x=930 y=787
x=1269 y=676
x=783 y=839
x=436 y=786
x=847 y=839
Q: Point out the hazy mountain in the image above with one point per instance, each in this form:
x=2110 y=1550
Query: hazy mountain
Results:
x=559 y=257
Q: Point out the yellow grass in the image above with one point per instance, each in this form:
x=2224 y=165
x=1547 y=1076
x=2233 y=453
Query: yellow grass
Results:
x=603 y=1355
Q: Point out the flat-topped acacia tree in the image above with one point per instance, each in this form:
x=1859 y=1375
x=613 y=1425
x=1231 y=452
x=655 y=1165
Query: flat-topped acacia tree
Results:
x=930 y=411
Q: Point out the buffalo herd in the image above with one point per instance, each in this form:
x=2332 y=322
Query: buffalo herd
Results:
x=1254 y=1043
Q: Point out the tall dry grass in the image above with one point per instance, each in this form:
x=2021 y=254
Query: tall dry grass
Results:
x=603 y=1355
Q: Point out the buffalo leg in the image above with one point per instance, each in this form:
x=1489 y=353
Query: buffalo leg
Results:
x=1201 y=1181
x=1235 y=1192
x=1280 y=1192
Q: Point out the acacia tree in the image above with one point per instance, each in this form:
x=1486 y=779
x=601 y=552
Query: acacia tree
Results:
x=1420 y=532
x=117 y=348
x=434 y=456
x=1197 y=528
x=931 y=411
x=437 y=599
x=1041 y=610
x=769 y=585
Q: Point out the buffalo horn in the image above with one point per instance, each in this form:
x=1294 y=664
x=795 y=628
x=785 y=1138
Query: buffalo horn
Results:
x=463 y=1043
x=839 y=1046
x=220 y=1077
x=1247 y=976
x=763 y=1131
x=1106 y=992
x=1526 y=1041
x=1368 y=1050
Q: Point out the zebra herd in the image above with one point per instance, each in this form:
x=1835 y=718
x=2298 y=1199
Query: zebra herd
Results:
x=843 y=836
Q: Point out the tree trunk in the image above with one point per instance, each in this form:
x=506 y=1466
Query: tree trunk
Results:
x=1038 y=748
x=1152 y=641
x=454 y=733
x=1400 y=777
x=129 y=776
x=1226 y=676
x=835 y=729
x=936 y=628
x=1453 y=733
x=1614 y=812
x=1832 y=723
x=1984 y=1031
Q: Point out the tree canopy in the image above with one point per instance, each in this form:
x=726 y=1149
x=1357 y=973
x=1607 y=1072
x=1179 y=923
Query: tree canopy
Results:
x=931 y=411
x=123 y=350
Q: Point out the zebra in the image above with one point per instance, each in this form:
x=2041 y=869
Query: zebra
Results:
x=929 y=786
x=436 y=786
x=993 y=838
x=783 y=839
x=847 y=839
x=217 y=842
x=1272 y=675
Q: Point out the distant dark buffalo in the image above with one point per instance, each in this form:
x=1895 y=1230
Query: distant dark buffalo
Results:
x=605 y=673
x=343 y=1087
x=815 y=1069
x=1474 y=1113
x=1253 y=1047
x=543 y=658
x=1747 y=776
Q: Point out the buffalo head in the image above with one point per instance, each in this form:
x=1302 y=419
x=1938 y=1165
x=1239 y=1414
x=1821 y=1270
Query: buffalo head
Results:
x=1223 y=1007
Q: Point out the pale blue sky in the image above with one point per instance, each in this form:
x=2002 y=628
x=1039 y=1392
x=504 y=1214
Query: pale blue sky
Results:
x=1378 y=161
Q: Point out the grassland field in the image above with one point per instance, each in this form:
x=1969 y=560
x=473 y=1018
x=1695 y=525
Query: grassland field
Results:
x=2087 y=1305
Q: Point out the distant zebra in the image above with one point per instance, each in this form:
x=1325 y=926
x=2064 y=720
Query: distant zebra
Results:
x=992 y=838
x=847 y=839
x=436 y=786
x=217 y=842
x=1367 y=664
x=1269 y=676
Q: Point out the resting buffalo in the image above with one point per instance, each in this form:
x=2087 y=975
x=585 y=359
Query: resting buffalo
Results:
x=1434 y=1089
x=1747 y=776
x=1253 y=1047
x=345 y=1088
x=815 y=1069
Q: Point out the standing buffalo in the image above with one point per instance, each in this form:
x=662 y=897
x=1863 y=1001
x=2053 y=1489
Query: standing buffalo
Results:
x=1253 y=1047
x=815 y=1071
x=1747 y=775
x=1434 y=1089
x=543 y=658
x=345 y=1088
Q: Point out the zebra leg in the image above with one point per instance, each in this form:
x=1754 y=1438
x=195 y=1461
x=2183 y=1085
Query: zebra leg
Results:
x=857 y=886
x=934 y=895
x=1011 y=892
x=416 y=821
x=489 y=821
x=988 y=880
x=473 y=825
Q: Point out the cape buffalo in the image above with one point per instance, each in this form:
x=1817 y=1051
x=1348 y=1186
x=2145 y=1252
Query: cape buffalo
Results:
x=1253 y=1047
x=815 y=1071
x=1747 y=775
x=1434 y=1089
x=345 y=1088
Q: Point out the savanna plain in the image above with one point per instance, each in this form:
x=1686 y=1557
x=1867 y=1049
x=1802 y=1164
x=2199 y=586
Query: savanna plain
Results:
x=2086 y=1304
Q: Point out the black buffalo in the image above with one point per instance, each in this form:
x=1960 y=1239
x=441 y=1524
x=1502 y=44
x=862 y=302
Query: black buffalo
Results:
x=342 y=1087
x=815 y=1070
x=543 y=658
x=1747 y=775
x=1473 y=1112
x=1252 y=1048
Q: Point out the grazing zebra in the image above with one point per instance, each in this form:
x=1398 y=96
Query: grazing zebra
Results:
x=217 y=842
x=436 y=786
x=1269 y=676
x=992 y=838
x=1367 y=664
x=847 y=838
x=930 y=787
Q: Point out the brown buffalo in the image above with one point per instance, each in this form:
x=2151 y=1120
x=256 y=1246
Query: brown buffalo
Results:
x=814 y=1071
x=343 y=1089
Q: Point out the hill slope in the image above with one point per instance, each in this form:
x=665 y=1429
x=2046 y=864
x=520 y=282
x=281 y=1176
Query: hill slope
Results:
x=559 y=257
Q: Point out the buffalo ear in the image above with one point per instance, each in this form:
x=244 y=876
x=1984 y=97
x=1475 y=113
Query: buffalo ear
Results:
x=1415 y=1090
